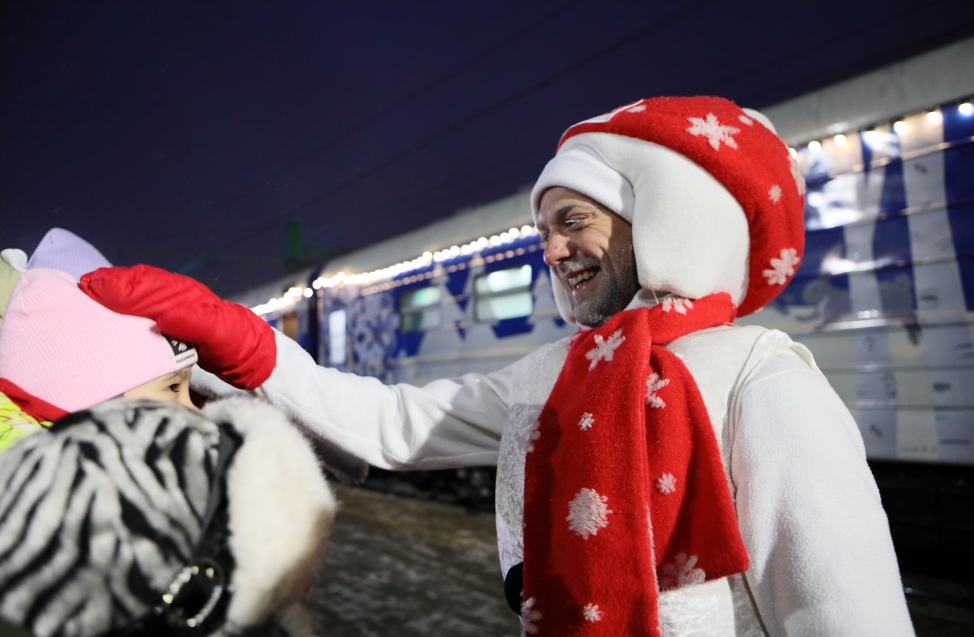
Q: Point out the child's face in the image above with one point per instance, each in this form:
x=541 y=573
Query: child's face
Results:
x=173 y=387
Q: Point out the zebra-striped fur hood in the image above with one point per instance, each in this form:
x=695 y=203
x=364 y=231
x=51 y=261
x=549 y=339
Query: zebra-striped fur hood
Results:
x=139 y=517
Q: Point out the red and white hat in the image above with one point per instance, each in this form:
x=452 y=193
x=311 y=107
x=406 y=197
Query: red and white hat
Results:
x=714 y=197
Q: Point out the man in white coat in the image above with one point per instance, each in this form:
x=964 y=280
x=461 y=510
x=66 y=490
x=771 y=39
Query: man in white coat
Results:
x=662 y=471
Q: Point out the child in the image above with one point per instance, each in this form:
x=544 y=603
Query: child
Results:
x=61 y=352
x=142 y=516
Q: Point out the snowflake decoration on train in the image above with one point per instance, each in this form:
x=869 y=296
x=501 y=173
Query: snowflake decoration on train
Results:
x=373 y=323
x=712 y=129
x=782 y=267
x=587 y=513
x=604 y=348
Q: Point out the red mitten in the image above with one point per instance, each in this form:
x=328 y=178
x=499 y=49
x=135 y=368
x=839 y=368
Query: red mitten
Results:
x=233 y=342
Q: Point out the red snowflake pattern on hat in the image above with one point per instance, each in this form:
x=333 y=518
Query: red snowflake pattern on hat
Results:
x=782 y=267
x=746 y=157
x=713 y=131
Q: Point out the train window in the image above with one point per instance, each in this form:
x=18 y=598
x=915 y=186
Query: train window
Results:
x=419 y=310
x=337 y=347
x=416 y=299
x=504 y=294
x=504 y=280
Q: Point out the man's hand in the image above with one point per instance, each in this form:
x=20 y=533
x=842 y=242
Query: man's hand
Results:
x=233 y=342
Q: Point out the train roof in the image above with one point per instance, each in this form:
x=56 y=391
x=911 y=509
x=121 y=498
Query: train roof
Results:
x=879 y=96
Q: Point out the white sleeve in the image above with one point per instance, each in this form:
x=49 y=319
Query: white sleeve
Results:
x=822 y=560
x=447 y=423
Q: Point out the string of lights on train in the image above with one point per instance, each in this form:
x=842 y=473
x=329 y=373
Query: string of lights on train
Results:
x=385 y=278
x=933 y=116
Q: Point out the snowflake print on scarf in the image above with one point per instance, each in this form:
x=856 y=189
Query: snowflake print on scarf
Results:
x=653 y=384
x=666 y=484
x=604 y=349
x=594 y=501
x=528 y=617
x=533 y=434
x=713 y=131
x=681 y=572
x=592 y=613
x=774 y=194
x=586 y=422
x=675 y=303
x=587 y=513
x=783 y=267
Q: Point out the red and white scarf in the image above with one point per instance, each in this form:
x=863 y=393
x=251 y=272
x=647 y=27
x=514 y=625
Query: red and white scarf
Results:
x=625 y=493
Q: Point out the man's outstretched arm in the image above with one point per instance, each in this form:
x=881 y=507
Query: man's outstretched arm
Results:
x=447 y=423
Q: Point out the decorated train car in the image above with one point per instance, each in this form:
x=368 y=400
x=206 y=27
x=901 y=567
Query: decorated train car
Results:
x=883 y=297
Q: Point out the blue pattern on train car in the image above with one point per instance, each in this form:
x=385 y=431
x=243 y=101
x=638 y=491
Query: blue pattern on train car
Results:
x=959 y=183
x=813 y=285
x=891 y=238
x=455 y=284
x=373 y=326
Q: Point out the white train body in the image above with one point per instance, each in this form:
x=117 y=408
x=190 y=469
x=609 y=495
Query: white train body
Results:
x=883 y=297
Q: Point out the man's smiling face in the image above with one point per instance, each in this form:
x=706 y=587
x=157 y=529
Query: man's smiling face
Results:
x=589 y=247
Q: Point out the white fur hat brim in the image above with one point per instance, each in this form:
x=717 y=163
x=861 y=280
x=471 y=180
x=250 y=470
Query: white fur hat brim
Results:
x=690 y=235
x=581 y=169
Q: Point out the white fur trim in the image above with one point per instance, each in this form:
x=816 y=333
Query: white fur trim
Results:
x=281 y=511
x=582 y=169
x=690 y=235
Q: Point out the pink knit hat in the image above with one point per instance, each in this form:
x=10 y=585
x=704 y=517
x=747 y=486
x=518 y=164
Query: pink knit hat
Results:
x=59 y=345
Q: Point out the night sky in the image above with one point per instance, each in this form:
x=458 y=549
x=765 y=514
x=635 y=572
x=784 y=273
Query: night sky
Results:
x=185 y=134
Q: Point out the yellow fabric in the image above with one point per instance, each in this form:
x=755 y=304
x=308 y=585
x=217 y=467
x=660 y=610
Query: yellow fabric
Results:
x=15 y=423
x=8 y=280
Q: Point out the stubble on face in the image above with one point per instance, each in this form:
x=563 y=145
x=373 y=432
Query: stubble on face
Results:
x=618 y=287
